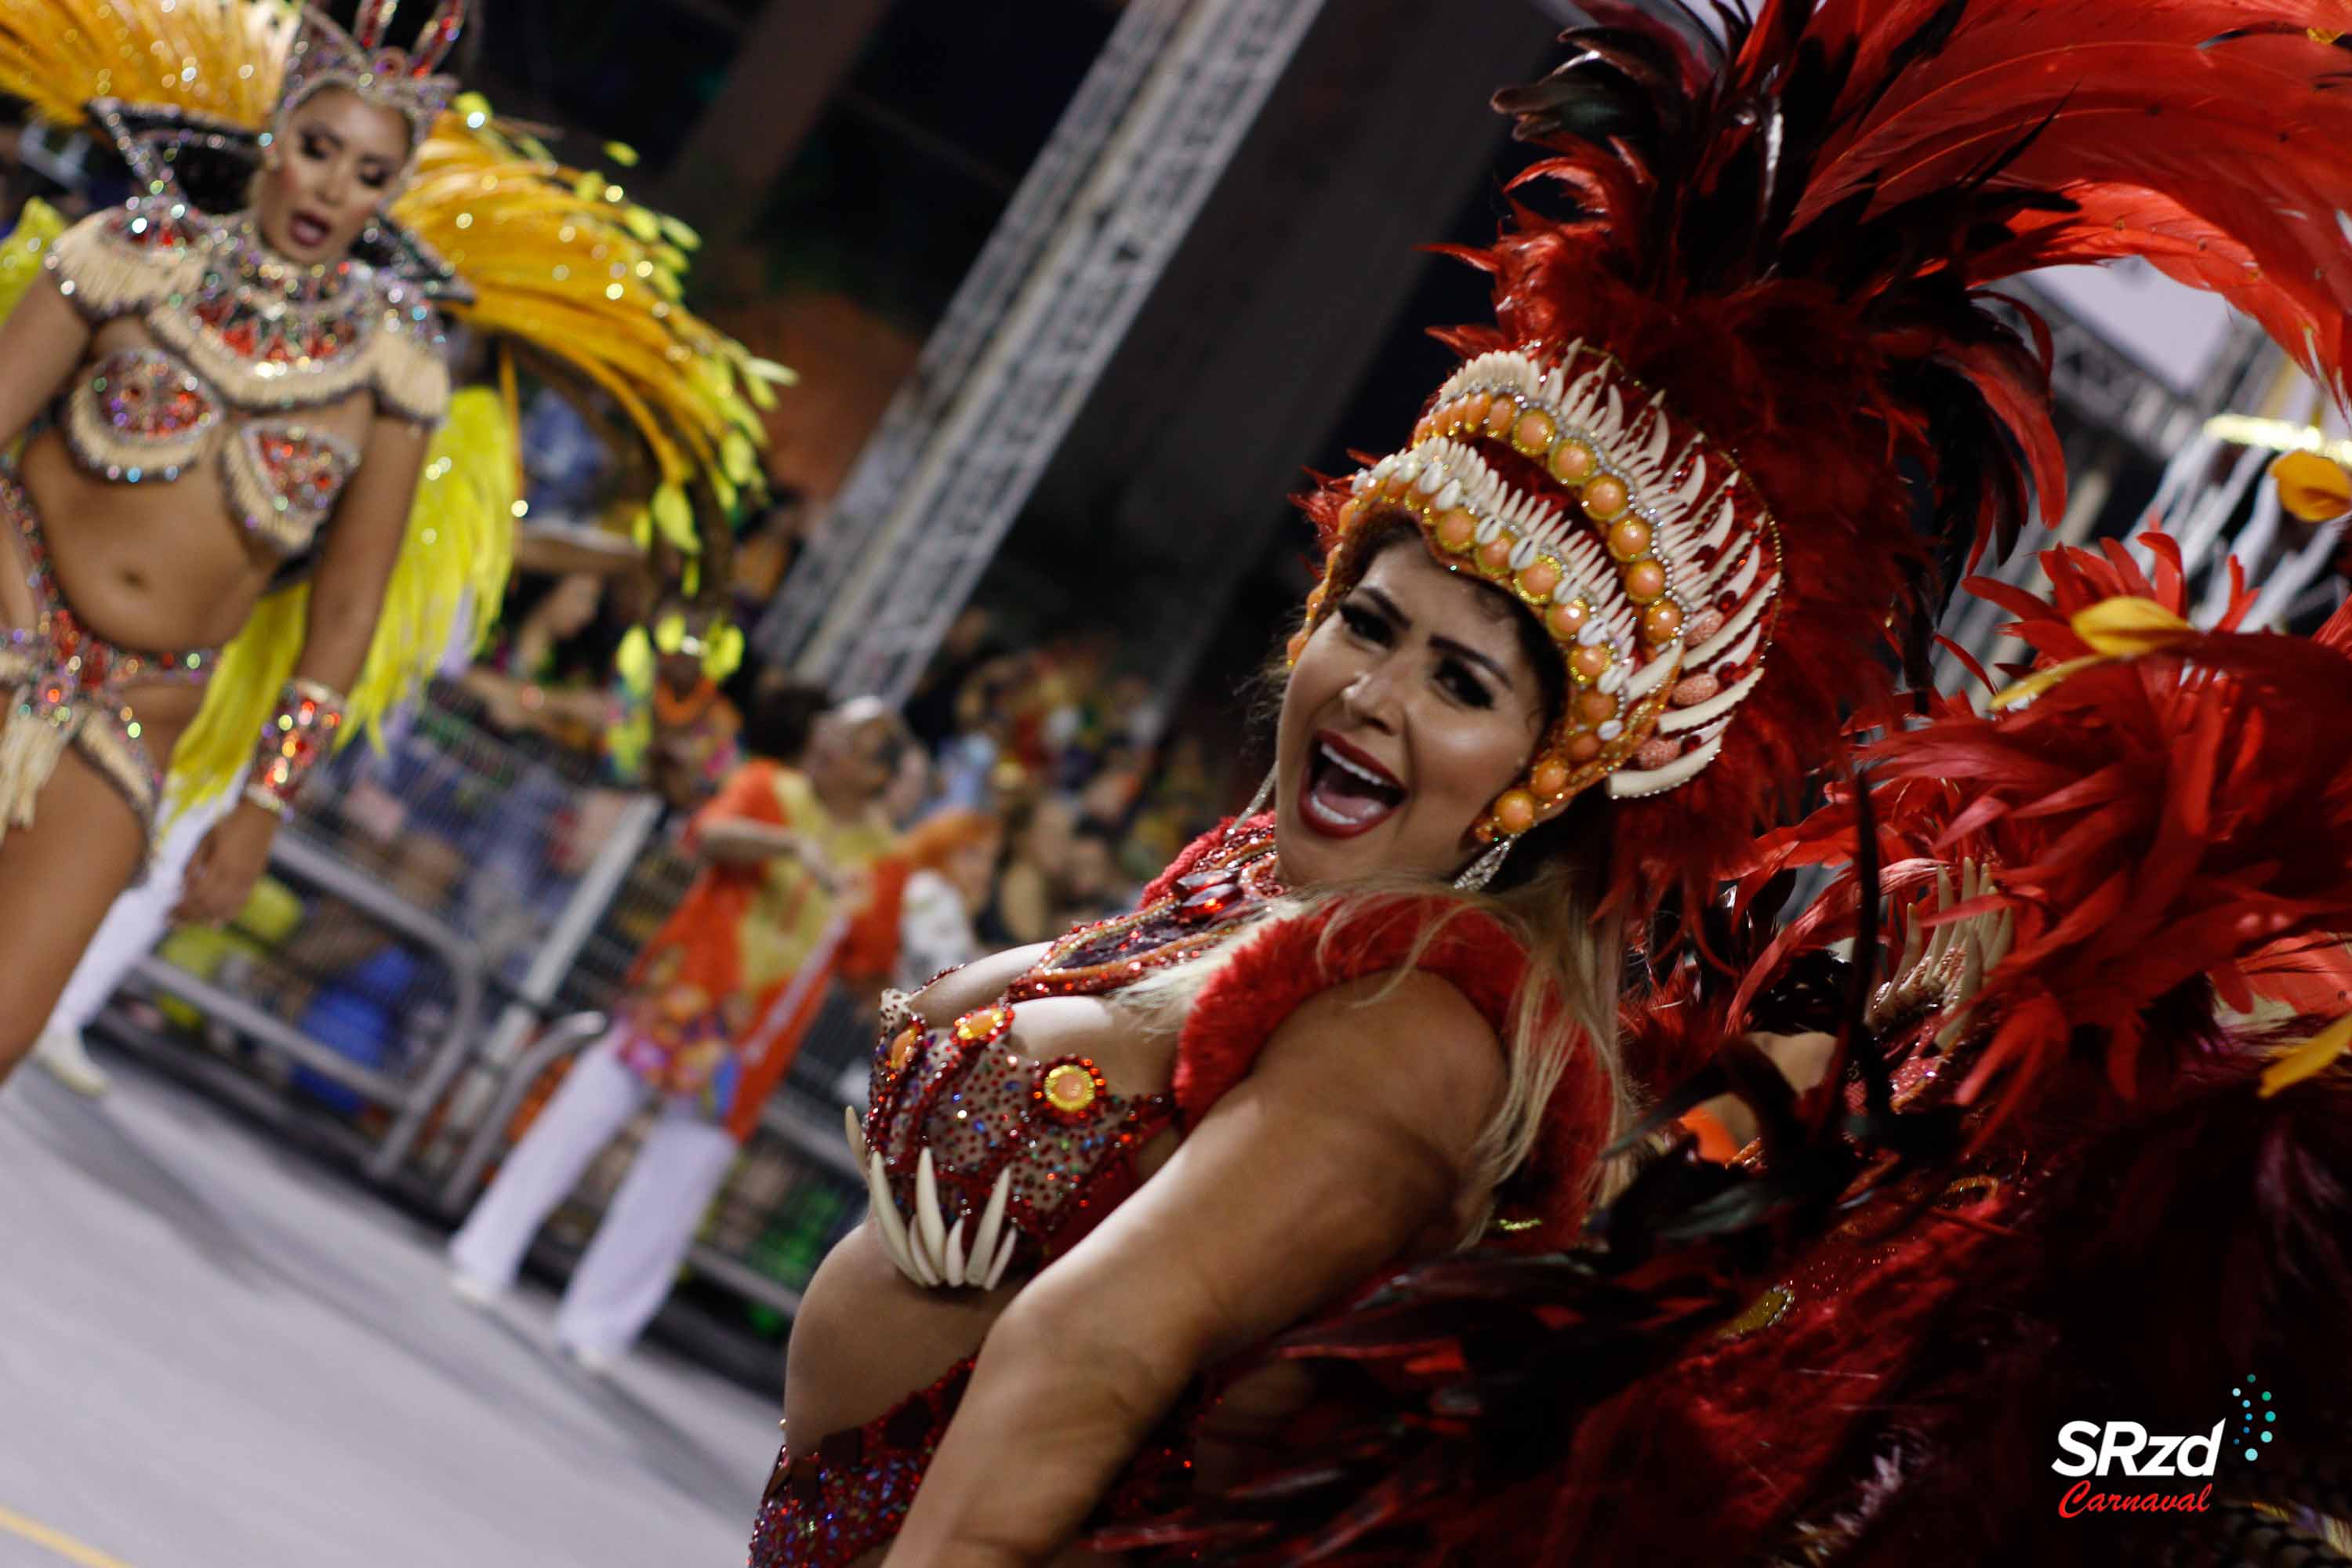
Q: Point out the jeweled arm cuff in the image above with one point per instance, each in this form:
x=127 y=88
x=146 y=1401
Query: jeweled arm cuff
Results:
x=296 y=740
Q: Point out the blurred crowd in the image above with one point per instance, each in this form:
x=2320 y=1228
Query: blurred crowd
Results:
x=1036 y=778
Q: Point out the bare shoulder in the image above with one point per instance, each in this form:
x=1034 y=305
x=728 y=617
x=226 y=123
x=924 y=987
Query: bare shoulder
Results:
x=1405 y=1045
x=976 y=984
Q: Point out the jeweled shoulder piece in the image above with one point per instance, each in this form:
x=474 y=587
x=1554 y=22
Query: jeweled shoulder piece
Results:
x=127 y=258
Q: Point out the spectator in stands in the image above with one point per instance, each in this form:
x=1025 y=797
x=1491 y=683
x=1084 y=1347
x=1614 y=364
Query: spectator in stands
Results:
x=1089 y=884
x=951 y=861
x=1026 y=902
x=908 y=798
x=717 y=1005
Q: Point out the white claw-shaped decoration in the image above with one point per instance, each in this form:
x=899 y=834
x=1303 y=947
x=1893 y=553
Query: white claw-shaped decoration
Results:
x=931 y=1230
x=1661 y=432
x=984 y=1241
x=1665 y=664
x=955 y=1254
x=1003 y=1261
x=1693 y=486
x=930 y=1251
x=895 y=1239
x=1914 y=946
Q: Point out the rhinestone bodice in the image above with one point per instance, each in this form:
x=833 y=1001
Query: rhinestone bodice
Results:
x=1048 y=1134
x=245 y=354
x=143 y=415
x=984 y=1160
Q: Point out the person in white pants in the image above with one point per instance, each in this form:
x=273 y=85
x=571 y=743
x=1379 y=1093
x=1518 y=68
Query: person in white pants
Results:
x=621 y=1281
x=716 y=1007
x=128 y=934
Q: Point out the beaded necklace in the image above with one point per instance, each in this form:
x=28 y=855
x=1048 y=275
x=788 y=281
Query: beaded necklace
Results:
x=275 y=314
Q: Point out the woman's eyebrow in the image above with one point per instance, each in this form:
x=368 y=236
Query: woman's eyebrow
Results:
x=1464 y=651
x=1390 y=608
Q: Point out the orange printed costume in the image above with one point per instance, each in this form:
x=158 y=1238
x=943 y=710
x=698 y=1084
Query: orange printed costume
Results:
x=724 y=992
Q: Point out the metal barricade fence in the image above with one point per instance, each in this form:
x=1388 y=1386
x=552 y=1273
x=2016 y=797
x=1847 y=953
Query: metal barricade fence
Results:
x=439 y=904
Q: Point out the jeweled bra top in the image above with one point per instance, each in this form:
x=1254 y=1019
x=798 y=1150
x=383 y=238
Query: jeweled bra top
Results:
x=981 y=1160
x=246 y=341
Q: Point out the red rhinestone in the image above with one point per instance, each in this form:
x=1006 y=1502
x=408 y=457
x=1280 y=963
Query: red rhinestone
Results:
x=1209 y=903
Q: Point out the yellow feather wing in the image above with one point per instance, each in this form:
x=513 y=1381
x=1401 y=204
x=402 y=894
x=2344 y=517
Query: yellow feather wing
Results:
x=220 y=57
x=38 y=228
x=560 y=259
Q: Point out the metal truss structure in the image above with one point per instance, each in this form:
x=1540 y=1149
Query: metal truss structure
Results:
x=1154 y=124
x=2117 y=409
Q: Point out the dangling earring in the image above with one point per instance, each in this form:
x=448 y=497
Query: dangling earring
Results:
x=1482 y=870
x=1258 y=803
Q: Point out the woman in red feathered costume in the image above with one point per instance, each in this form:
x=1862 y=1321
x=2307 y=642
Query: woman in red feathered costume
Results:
x=2061 y=1181
x=1573 y=647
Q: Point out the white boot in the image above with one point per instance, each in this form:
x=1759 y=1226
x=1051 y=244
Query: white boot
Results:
x=61 y=1051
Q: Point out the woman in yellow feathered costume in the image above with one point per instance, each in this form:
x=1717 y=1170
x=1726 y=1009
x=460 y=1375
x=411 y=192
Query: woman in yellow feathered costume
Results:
x=245 y=383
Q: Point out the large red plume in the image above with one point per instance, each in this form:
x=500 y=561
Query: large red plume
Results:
x=1790 y=231
x=2169 y=809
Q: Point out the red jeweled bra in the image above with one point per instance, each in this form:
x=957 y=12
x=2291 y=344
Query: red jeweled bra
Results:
x=980 y=1159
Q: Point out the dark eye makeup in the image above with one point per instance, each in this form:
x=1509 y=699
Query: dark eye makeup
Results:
x=1368 y=620
x=1466 y=687
x=1364 y=620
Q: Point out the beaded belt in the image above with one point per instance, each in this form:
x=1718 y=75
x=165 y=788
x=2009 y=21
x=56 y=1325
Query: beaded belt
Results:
x=829 y=1507
x=66 y=687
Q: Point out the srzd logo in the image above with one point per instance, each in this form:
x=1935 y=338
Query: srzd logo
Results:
x=2093 y=1449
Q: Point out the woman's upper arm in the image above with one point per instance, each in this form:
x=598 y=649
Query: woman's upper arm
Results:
x=42 y=345
x=371 y=520
x=1353 y=1135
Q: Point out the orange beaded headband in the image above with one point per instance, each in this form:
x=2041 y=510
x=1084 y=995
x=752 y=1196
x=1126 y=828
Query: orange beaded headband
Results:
x=1654 y=562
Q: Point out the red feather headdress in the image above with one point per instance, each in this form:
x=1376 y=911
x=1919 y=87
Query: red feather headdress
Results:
x=1744 y=397
x=2160 y=807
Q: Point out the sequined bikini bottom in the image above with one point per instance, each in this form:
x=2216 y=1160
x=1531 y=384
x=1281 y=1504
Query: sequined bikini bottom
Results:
x=66 y=686
x=849 y=1495
x=829 y=1506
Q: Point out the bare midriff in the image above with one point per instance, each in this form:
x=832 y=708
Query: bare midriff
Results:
x=158 y=566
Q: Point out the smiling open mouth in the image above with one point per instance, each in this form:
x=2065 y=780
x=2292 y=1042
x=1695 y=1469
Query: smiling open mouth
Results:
x=307 y=232
x=1347 y=792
